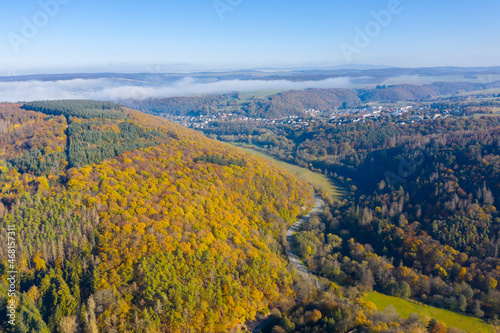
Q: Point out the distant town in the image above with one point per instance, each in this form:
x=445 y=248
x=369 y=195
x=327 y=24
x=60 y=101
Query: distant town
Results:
x=401 y=115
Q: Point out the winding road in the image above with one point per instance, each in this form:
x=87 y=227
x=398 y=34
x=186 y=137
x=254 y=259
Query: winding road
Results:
x=294 y=259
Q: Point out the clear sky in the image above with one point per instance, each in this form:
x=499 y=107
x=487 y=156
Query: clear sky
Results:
x=132 y=35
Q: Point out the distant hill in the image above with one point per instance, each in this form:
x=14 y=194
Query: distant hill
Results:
x=180 y=106
x=407 y=92
x=295 y=102
x=293 y=74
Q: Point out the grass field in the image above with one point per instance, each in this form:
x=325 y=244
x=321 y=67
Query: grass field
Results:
x=314 y=178
x=405 y=308
x=479 y=115
x=245 y=96
x=480 y=92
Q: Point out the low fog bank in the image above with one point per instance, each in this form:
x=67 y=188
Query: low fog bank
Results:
x=113 y=90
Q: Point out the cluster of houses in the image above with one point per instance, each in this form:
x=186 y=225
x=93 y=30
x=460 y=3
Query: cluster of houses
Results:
x=203 y=121
x=402 y=115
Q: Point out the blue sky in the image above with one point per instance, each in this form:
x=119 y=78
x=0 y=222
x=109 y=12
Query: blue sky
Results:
x=136 y=36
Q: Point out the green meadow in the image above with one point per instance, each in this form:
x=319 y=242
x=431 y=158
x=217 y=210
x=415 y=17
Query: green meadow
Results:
x=405 y=308
x=314 y=178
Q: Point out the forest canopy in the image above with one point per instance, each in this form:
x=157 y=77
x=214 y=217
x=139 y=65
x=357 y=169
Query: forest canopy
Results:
x=127 y=222
x=85 y=109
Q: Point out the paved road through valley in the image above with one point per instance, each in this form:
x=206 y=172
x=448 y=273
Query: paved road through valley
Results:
x=294 y=259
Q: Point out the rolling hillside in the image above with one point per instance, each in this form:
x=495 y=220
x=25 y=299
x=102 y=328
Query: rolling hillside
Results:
x=128 y=223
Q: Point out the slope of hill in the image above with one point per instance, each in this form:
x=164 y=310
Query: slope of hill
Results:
x=294 y=102
x=408 y=92
x=279 y=105
x=181 y=106
x=126 y=222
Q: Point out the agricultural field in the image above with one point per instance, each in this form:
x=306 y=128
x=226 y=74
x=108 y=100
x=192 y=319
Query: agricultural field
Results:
x=314 y=178
x=405 y=308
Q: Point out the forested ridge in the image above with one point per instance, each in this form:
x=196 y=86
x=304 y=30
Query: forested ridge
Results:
x=180 y=106
x=128 y=223
x=78 y=108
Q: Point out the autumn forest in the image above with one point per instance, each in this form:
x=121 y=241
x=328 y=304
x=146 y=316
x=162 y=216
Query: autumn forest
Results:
x=129 y=223
x=126 y=222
